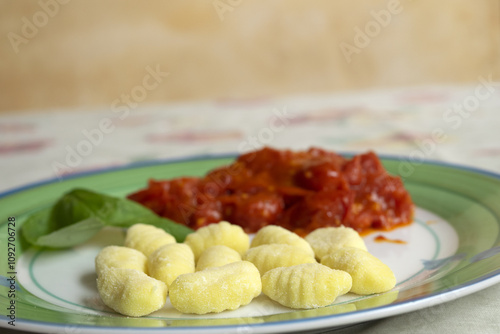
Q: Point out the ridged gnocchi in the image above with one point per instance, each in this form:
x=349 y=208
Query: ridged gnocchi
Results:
x=369 y=274
x=216 y=289
x=217 y=256
x=170 y=261
x=308 y=285
x=147 y=238
x=215 y=270
x=328 y=239
x=131 y=292
x=120 y=257
x=222 y=233
x=267 y=257
x=273 y=234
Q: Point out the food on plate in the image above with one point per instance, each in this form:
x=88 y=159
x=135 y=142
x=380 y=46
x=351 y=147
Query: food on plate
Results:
x=120 y=257
x=328 y=239
x=131 y=292
x=272 y=234
x=147 y=238
x=369 y=274
x=207 y=274
x=216 y=289
x=279 y=195
x=80 y=213
x=217 y=256
x=170 y=261
x=300 y=191
x=222 y=233
x=267 y=257
x=308 y=285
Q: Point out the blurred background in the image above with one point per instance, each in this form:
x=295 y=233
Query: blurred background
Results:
x=65 y=54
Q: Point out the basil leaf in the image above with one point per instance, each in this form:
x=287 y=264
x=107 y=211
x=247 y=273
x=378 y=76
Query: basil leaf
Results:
x=72 y=234
x=81 y=213
x=80 y=204
x=36 y=225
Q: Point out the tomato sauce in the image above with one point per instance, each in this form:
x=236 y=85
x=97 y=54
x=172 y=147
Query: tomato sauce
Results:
x=381 y=238
x=300 y=191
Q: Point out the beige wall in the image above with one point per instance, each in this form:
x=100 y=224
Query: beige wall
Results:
x=89 y=52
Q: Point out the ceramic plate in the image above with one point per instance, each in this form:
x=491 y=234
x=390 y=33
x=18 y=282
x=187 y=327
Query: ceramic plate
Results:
x=451 y=250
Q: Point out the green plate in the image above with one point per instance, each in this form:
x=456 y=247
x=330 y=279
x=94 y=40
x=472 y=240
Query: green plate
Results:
x=451 y=250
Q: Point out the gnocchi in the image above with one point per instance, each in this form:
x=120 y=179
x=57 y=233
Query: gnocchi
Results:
x=147 y=238
x=170 y=261
x=267 y=257
x=273 y=234
x=131 y=292
x=215 y=270
x=328 y=239
x=308 y=285
x=222 y=233
x=217 y=256
x=216 y=289
x=369 y=274
x=119 y=257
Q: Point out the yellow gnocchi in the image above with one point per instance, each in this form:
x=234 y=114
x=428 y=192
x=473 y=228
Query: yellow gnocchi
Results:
x=216 y=289
x=222 y=233
x=369 y=274
x=217 y=256
x=328 y=239
x=216 y=270
x=119 y=257
x=304 y=286
x=170 y=261
x=131 y=292
x=147 y=238
x=273 y=234
x=267 y=257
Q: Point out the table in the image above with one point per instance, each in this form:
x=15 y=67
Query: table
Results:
x=456 y=124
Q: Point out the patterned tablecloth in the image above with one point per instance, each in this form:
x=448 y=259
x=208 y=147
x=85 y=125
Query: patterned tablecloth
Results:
x=453 y=124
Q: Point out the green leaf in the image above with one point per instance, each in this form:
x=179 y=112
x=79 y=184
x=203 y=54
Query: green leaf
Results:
x=81 y=213
x=80 y=204
x=72 y=234
x=38 y=224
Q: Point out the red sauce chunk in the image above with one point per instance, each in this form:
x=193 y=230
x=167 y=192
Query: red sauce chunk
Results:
x=300 y=191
